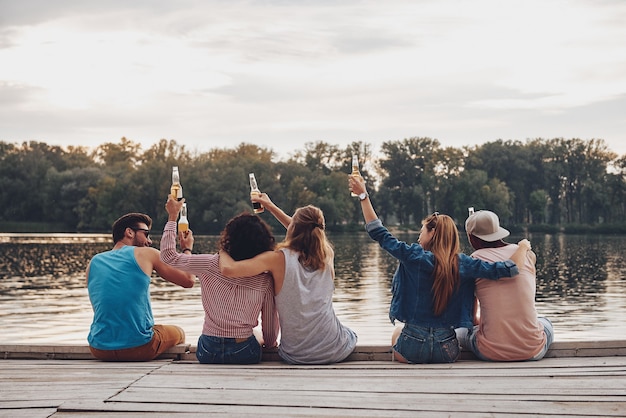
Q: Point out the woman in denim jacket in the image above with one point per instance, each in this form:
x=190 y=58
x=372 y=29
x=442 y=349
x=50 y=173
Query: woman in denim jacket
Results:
x=429 y=283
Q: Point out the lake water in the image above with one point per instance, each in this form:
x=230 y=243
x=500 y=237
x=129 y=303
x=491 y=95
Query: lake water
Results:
x=581 y=287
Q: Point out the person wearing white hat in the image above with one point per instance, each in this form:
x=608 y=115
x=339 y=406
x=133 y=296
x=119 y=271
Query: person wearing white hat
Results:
x=508 y=327
x=431 y=281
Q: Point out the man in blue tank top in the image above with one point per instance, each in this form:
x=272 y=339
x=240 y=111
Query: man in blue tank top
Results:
x=118 y=282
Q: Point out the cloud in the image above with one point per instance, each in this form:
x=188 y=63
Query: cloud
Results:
x=211 y=73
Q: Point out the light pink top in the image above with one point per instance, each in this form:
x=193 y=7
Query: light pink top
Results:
x=509 y=329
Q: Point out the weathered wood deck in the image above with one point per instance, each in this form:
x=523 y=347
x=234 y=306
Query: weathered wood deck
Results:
x=575 y=379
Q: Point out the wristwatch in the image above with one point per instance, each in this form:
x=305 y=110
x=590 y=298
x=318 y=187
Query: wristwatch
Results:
x=363 y=196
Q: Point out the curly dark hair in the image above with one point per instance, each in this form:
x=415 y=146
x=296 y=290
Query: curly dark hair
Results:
x=245 y=236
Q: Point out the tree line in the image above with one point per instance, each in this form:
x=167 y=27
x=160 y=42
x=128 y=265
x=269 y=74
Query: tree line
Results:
x=540 y=183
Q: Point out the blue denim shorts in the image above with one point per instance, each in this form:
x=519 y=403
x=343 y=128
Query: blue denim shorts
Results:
x=427 y=345
x=220 y=350
x=548 y=329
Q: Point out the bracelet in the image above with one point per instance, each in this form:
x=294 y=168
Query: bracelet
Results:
x=185 y=249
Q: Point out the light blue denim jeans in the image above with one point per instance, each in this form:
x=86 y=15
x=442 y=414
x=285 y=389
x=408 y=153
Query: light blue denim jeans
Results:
x=427 y=345
x=220 y=350
x=467 y=339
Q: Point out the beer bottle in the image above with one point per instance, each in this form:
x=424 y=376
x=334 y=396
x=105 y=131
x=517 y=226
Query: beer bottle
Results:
x=176 y=190
x=254 y=191
x=355 y=170
x=183 y=222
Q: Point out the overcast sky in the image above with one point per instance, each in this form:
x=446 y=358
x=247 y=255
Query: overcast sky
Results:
x=281 y=73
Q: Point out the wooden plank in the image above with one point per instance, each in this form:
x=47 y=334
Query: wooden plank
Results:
x=70 y=352
x=473 y=365
x=186 y=352
x=555 y=387
x=99 y=410
x=458 y=367
x=329 y=387
x=27 y=412
x=535 y=386
x=37 y=385
x=404 y=401
x=360 y=353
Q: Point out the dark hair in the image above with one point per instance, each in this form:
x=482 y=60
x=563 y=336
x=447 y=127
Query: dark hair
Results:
x=478 y=243
x=245 y=236
x=130 y=220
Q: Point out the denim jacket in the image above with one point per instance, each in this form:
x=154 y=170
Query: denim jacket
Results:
x=412 y=299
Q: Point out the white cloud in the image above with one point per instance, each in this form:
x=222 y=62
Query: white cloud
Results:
x=279 y=74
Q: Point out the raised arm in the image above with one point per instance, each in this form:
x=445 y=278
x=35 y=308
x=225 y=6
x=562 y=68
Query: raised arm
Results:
x=165 y=271
x=169 y=255
x=278 y=213
x=357 y=185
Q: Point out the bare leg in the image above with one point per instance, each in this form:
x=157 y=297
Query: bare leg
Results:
x=394 y=338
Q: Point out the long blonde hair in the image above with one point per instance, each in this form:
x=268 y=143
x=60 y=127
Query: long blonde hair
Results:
x=306 y=236
x=445 y=246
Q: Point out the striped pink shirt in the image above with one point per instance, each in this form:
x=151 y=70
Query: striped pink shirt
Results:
x=231 y=306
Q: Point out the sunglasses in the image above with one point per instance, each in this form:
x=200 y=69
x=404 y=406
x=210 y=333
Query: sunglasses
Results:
x=145 y=231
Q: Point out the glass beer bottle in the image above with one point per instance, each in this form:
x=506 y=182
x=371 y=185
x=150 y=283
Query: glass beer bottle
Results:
x=355 y=170
x=177 y=189
x=254 y=191
x=183 y=222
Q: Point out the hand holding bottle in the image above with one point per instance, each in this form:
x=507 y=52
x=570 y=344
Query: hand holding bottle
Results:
x=173 y=206
x=356 y=184
x=266 y=202
x=185 y=239
x=254 y=191
x=261 y=198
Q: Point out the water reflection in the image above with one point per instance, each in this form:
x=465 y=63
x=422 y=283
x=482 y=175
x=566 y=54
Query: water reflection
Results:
x=582 y=282
x=581 y=286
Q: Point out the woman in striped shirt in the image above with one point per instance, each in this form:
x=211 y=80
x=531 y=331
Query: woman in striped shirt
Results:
x=231 y=306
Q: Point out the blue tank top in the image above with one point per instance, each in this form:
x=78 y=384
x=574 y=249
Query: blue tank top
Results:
x=119 y=292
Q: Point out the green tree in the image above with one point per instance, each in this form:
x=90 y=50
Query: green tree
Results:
x=406 y=168
x=65 y=192
x=616 y=190
x=512 y=163
x=117 y=192
x=538 y=206
x=24 y=172
x=153 y=176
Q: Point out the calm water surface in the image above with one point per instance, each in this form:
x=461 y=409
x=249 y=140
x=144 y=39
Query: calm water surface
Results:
x=581 y=287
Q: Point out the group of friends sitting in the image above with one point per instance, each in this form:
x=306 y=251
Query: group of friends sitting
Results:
x=446 y=300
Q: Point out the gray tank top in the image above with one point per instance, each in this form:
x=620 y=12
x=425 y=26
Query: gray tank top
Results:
x=310 y=331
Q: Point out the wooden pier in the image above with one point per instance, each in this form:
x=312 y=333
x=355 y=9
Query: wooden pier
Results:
x=575 y=379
